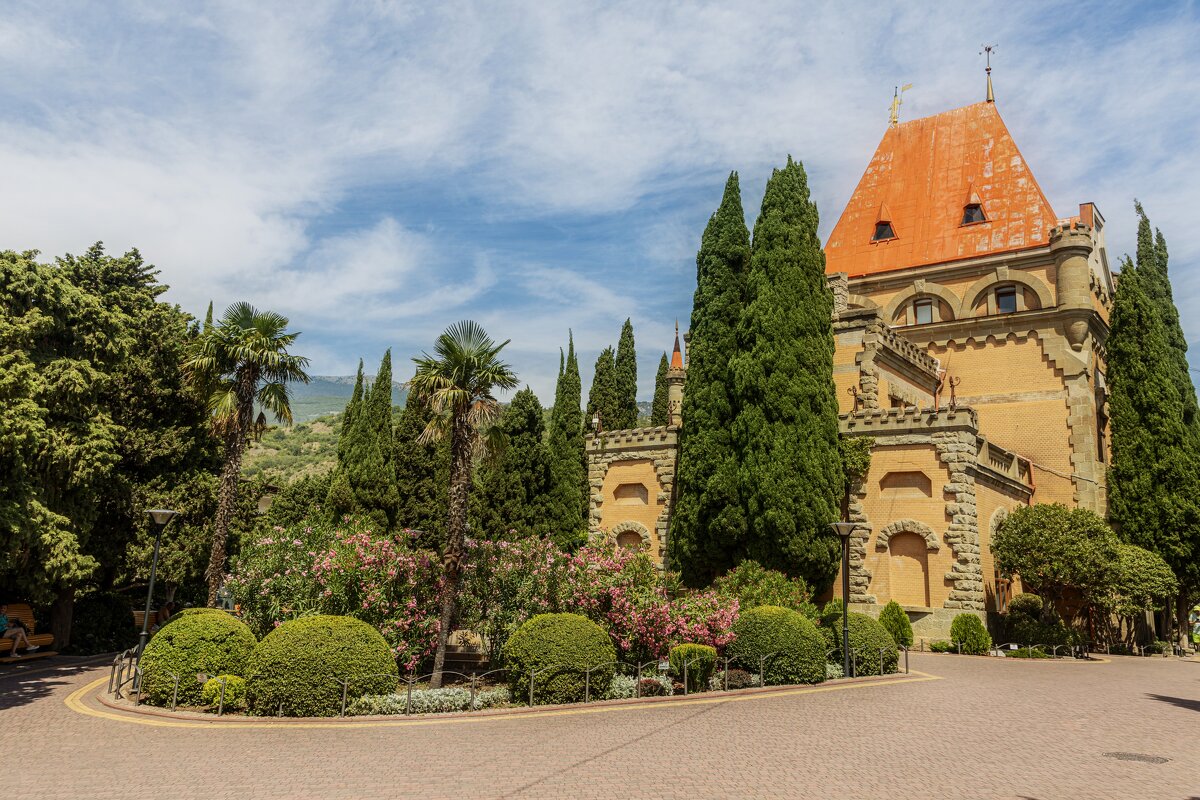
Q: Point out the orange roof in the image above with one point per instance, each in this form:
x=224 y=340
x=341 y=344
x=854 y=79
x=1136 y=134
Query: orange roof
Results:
x=676 y=355
x=922 y=175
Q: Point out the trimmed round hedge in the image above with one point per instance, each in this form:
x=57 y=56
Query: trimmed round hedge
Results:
x=235 y=691
x=299 y=667
x=867 y=639
x=794 y=649
x=557 y=648
x=215 y=644
x=701 y=660
x=967 y=631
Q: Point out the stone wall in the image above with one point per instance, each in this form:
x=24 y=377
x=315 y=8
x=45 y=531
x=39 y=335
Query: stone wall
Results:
x=644 y=456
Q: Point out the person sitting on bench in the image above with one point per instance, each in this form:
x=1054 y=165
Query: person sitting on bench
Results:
x=14 y=629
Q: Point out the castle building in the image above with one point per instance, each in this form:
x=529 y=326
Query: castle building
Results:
x=969 y=323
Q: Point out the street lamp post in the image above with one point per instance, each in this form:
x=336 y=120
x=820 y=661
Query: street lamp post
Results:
x=159 y=518
x=843 y=530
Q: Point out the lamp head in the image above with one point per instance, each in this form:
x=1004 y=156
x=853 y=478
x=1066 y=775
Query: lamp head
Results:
x=161 y=516
x=843 y=529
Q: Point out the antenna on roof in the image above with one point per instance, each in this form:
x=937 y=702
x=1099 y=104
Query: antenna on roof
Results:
x=987 y=51
x=894 y=117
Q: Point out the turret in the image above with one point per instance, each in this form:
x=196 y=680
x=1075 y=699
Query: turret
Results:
x=675 y=378
x=1071 y=245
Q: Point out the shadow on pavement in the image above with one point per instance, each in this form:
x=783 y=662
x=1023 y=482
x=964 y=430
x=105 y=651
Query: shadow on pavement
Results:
x=1181 y=702
x=21 y=685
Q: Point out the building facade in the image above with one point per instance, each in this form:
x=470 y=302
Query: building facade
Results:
x=969 y=323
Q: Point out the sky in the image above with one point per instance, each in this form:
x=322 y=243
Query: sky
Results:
x=376 y=171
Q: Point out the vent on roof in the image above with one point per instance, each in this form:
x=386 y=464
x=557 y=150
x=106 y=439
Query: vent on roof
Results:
x=883 y=230
x=972 y=213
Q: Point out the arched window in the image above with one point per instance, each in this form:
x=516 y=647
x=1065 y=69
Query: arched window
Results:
x=1006 y=300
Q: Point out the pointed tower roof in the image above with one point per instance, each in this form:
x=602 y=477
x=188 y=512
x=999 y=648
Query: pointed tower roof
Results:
x=923 y=170
x=676 y=354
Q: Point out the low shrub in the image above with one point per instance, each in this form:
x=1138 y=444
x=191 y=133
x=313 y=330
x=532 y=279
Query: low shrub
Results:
x=894 y=619
x=557 y=648
x=701 y=660
x=655 y=687
x=869 y=642
x=942 y=646
x=1158 y=647
x=1026 y=605
x=235 y=691
x=737 y=679
x=299 y=667
x=102 y=623
x=213 y=643
x=429 y=701
x=834 y=671
x=753 y=585
x=968 y=634
x=783 y=643
x=1025 y=652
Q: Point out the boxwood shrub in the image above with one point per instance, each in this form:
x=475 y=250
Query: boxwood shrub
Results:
x=214 y=643
x=895 y=620
x=235 y=691
x=794 y=650
x=968 y=632
x=300 y=666
x=867 y=638
x=558 y=647
x=701 y=660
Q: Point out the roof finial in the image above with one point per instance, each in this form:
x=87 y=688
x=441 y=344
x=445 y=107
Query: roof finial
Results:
x=676 y=355
x=897 y=99
x=987 y=51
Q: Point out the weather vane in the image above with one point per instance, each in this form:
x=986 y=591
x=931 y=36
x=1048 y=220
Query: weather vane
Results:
x=987 y=51
x=897 y=99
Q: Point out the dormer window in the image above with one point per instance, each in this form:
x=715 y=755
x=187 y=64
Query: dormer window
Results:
x=972 y=213
x=883 y=231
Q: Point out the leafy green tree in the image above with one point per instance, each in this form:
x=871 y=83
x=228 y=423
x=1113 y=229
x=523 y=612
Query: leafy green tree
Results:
x=422 y=473
x=659 y=414
x=602 y=397
x=241 y=361
x=567 y=504
x=708 y=526
x=1143 y=583
x=790 y=475
x=625 y=380
x=754 y=586
x=457 y=384
x=303 y=498
x=513 y=488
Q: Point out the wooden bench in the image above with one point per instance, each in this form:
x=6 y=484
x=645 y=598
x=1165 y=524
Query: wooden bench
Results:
x=42 y=640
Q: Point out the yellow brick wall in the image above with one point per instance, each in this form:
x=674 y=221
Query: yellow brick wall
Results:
x=960 y=286
x=615 y=511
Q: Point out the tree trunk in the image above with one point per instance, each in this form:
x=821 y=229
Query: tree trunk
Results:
x=61 y=612
x=1181 y=620
x=452 y=558
x=231 y=474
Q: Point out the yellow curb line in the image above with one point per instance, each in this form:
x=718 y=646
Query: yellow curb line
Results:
x=74 y=701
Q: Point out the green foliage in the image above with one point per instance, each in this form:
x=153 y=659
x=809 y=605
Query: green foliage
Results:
x=894 y=619
x=1143 y=582
x=942 y=646
x=235 y=691
x=1054 y=548
x=513 y=489
x=351 y=412
x=300 y=666
x=300 y=500
x=558 y=648
x=1026 y=604
x=790 y=477
x=701 y=660
x=567 y=505
x=103 y=623
x=1025 y=652
x=867 y=638
x=968 y=633
x=283 y=455
x=831 y=614
x=855 y=452
x=602 y=396
x=625 y=382
x=366 y=452
x=659 y=413
x=422 y=474
x=708 y=524
x=429 y=701
x=793 y=649
x=213 y=643
x=754 y=586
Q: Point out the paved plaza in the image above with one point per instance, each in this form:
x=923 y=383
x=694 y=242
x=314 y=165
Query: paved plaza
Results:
x=980 y=728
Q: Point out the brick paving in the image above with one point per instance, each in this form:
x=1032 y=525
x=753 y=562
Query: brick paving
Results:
x=988 y=728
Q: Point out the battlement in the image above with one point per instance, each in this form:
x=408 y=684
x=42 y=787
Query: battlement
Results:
x=910 y=419
x=655 y=437
x=1068 y=232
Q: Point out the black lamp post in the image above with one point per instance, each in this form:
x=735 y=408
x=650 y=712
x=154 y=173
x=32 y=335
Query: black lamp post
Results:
x=159 y=518
x=843 y=530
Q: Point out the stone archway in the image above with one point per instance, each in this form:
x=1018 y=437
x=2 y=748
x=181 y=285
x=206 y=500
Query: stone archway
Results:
x=632 y=535
x=908 y=526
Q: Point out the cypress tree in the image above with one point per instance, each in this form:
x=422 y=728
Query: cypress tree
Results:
x=566 y=506
x=513 y=490
x=422 y=473
x=369 y=455
x=790 y=474
x=602 y=396
x=658 y=409
x=625 y=378
x=708 y=526
x=340 y=500
x=356 y=399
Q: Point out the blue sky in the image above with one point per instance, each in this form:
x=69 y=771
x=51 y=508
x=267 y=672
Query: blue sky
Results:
x=376 y=171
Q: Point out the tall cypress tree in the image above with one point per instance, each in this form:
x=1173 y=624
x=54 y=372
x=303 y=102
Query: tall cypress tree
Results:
x=369 y=455
x=625 y=379
x=422 y=474
x=790 y=474
x=658 y=409
x=340 y=499
x=708 y=526
x=356 y=400
x=512 y=491
x=567 y=504
x=602 y=396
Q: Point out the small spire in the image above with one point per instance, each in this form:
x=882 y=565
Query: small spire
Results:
x=676 y=354
x=987 y=51
x=897 y=101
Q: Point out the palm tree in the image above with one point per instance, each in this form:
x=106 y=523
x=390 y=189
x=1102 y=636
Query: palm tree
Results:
x=456 y=383
x=241 y=361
